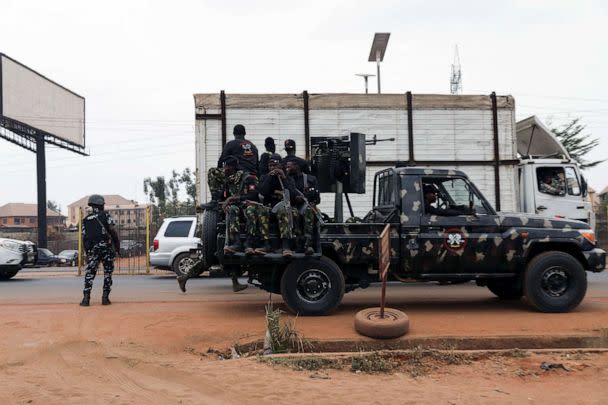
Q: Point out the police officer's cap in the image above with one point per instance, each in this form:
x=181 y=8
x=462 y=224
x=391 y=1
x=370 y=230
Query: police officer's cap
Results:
x=429 y=188
x=239 y=130
x=96 y=200
x=231 y=161
x=290 y=144
x=275 y=158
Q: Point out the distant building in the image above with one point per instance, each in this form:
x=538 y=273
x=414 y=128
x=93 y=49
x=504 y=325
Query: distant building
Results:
x=128 y=214
x=23 y=216
x=603 y=196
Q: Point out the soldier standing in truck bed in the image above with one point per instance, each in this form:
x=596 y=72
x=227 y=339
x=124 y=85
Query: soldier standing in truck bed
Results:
x=270 y=149
x=98 y=236
x=290 y=149
x=244 y=150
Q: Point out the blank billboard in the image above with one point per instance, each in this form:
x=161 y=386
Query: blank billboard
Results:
x=31 y=99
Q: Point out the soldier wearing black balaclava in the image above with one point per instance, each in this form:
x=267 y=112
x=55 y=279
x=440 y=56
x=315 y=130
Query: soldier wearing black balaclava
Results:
x=98 y=236
x=244 y=150
x=270 y=149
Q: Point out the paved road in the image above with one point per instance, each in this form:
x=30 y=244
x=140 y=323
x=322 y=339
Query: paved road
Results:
x=32 y=288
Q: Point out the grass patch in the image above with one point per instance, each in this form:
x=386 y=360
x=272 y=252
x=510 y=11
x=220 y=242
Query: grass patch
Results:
x=374 y=363
x=304 y=363
x=283 y=337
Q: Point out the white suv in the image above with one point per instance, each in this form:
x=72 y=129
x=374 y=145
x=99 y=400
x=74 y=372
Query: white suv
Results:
x=173 y=243
x=13 y=255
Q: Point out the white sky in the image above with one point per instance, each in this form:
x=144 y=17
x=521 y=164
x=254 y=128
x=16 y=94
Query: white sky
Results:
x=139 y=62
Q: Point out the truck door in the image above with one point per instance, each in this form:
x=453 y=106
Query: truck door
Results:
x=450 y=241
x=559 y=192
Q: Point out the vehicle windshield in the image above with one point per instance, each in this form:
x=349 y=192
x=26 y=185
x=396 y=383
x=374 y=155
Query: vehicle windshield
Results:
x=45 y=251
x=67 y=253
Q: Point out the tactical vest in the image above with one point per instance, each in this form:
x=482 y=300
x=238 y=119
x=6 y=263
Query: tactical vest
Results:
x=95 y=229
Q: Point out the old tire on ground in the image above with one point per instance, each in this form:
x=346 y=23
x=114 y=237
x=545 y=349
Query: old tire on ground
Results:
x=312 y=287
x=369 y=323
x=510 y=289
x=6 y=274
x=182 y=263
x=209 y=238
x=555 y=282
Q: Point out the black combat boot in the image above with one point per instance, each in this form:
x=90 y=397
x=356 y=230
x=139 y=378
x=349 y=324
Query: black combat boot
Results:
x=236 y=286
x=105 y=298
x=235 y=246
x=181 y=281
x=249 y=251
x=308 y=250
x=287 y=248
x=86 y=298
x=265 y=249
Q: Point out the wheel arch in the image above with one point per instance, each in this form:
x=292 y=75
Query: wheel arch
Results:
x=570 y=248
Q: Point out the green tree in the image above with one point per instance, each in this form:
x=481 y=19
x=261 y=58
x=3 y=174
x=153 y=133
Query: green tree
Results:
x=157 y=192
x=53 y=206
x=577 y=143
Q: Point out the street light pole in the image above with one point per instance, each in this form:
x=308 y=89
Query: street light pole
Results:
x=376 y=54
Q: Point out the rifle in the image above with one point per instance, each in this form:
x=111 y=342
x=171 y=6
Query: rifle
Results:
x=314 y=209
x=286 y=204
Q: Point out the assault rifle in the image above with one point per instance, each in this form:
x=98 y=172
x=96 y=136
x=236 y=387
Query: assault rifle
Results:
x=286 y=204
x=314 y=209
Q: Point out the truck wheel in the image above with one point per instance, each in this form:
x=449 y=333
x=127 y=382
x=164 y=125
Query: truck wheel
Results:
x=369 y=323
x=506 y=289
x=312 y=287
x=8 y=274
x=182 y=263
x=555 y=282
x=209 y=238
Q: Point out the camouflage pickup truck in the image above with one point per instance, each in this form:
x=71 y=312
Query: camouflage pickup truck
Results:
x=442 y=230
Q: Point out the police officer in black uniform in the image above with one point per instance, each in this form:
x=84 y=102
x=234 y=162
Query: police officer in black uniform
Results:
x=290 y=149
x=98 y=235
x=244 y=150
x=270 y=149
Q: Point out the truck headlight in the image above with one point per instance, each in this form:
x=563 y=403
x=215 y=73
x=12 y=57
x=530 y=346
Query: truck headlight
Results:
x=10 y=245
x=588 y=234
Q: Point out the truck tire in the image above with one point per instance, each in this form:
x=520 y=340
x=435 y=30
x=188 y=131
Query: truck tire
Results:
x=312 y=287
x=369 y=323
x=182 y=264
x=506 y=289
x=555 y=282
x=209 y=238
x=8 y=274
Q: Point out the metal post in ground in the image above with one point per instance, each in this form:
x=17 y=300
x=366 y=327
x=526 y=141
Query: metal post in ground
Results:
x=147 y=240
x=79 y=241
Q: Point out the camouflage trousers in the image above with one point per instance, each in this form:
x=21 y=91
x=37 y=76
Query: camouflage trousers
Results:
x=287 y=230
x=216 y=180
x=306 y=220
x=104 y=253
x=256 y=220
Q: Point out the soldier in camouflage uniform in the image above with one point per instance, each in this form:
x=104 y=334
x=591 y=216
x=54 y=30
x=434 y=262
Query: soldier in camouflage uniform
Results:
x=98 y=235
x=271 y=189
x=306 y=187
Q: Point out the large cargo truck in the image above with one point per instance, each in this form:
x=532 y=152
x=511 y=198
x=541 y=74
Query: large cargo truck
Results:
x=477 y=134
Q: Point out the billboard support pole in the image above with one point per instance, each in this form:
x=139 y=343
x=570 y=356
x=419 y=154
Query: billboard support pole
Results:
x=41 y=175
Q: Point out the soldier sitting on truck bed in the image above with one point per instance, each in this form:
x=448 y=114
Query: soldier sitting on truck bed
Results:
x=306 y=190
x=271 y=189
x=430 y=197
x=244 y=150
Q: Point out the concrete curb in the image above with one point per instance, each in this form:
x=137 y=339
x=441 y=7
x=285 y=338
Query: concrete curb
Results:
x=529 y=342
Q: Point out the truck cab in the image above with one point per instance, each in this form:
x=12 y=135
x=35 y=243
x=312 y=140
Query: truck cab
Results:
x=550 y=181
